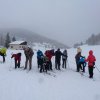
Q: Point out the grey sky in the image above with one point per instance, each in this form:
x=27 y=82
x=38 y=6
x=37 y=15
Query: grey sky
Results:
x=67 y=21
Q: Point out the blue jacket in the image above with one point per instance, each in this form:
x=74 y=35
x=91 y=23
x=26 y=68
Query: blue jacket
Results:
x=82 y=60
x=39 y=54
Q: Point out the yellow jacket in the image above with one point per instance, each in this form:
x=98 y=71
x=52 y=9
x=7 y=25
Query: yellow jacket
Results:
x=3 y=50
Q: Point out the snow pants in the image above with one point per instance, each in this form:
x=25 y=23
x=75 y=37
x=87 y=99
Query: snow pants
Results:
x=17 y=63
x=3 y=56
x=57 y=64
x=64 y=63
x=90 y=71
x=30 y=63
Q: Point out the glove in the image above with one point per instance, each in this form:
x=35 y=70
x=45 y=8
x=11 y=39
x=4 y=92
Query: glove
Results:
x=93 y=63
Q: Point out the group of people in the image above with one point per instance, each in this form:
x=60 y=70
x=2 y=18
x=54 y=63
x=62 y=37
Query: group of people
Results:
x=81 y=62
x=44 y=60
x=28 y=54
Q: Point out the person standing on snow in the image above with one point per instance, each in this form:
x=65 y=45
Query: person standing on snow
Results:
x=28 y=54
x=3 y=53
x=58 y=54
x=91 y=62
x=49 y=54
x=39 y=58
x=64 y=58
x=79 y=50
x=77 y=59
x=45 y=64
x=17 y=58
x=82 y=63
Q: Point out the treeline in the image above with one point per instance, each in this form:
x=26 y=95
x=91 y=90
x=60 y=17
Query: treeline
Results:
x=93 y=39
x=78 y=44
x=5 y=40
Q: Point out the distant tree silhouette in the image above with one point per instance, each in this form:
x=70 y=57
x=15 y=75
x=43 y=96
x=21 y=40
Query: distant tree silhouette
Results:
x=1 y=40
x=7 y=40
x=93 y=40
x=13 y=38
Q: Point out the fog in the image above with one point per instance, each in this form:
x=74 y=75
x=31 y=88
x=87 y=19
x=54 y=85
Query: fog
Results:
x=67 y=21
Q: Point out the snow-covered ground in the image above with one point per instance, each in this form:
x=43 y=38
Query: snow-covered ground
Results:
x=20 y=84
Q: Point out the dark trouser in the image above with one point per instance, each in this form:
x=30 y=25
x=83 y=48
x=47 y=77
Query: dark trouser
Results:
x=3 y=56
x=57 y=64
x=90 y=71
x=64 y=63
x=17 y=63
x=41 y=68
x=44 y=67
x=39 y=62
x=40 y=65
x=30 y=63
x=82 y=66
x=50 y=65
x=78 y=67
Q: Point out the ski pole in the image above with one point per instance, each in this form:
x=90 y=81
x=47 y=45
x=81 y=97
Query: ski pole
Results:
x=67 y=64
x=97 y=68
x=10 y=65
x=11 y=62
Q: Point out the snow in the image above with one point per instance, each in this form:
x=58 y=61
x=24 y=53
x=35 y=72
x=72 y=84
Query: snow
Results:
x=20 y=84
x=17 y=42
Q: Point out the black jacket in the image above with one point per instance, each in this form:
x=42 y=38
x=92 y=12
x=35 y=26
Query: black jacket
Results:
x=77 y=57
x=58 y=55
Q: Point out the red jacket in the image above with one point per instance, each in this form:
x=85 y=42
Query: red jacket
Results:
x=91 y=59
x=17 y=57
x=49 y=54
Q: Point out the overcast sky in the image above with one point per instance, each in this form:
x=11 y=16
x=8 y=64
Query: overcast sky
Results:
x=67 y=21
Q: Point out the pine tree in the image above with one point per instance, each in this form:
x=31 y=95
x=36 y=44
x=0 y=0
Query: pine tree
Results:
x=13 y=39
x=1 y=40
x=91 y=40
x=7 y=41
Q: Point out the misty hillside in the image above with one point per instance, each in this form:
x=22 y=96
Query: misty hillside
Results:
x=31 y=37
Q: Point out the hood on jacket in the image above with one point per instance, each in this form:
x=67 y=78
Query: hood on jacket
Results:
x=90 y=52
x=38 y=51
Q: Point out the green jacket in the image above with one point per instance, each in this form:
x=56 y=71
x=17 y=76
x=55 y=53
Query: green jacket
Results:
x=3 y=50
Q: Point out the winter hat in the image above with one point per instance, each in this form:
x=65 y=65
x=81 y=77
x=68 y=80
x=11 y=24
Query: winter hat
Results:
x=65 y=50
x=79 y=50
